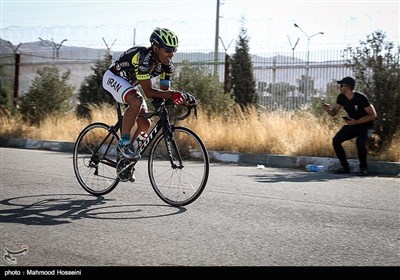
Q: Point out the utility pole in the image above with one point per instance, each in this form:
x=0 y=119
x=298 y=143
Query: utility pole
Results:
x=216 y=41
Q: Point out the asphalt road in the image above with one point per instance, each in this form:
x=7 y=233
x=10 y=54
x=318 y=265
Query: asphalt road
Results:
x=247 y=216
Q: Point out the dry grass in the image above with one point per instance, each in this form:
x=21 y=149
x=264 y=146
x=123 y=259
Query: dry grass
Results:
x=238 y=131
x=272 y=133
x=64 y=128
x=301 y=134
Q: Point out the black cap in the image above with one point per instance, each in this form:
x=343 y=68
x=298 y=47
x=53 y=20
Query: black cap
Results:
x=348 y=81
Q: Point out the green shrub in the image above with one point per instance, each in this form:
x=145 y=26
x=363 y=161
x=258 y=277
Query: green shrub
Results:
x=205 y=87
x=92 y=91
x=49 y=95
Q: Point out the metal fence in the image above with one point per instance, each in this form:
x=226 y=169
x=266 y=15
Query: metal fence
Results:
x=284 y=80
x=289 y=81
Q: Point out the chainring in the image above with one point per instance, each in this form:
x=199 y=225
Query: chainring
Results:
x=125 y=169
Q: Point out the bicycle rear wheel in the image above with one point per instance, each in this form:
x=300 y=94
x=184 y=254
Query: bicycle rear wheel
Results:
x=95 y=159
x=181 y=179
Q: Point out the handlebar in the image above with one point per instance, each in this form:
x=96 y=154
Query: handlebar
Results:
x=157 y=103
x=188 y=112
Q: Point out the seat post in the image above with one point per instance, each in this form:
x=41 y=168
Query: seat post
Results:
x=118 y=107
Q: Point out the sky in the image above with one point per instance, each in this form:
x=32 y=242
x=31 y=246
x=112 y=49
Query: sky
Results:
x=269 y=24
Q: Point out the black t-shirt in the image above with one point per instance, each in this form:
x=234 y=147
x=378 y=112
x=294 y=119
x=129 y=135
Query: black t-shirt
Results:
x=355 y=108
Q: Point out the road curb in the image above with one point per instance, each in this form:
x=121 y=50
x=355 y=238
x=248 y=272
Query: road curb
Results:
x=21 y=143
x=299 y=162
x=266 y=160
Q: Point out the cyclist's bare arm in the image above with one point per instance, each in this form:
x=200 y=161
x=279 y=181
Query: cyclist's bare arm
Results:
x=164 y=92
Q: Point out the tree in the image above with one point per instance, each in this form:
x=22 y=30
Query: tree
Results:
x=5 y=92
x=49 y=95
x=377 y=71
x=91 y=91
x=242 y=77
x=205 y=87
x=3 y=97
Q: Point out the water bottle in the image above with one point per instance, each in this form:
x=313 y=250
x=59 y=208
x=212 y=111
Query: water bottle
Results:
x=314 y=168
x=139 y=140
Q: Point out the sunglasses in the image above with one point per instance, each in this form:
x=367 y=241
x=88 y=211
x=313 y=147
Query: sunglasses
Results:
x=170 y=50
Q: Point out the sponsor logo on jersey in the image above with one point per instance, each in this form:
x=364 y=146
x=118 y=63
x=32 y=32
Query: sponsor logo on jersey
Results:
x=143 y=69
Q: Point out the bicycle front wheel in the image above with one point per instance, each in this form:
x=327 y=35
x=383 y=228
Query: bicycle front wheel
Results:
x=95 y=159
x=178 y=166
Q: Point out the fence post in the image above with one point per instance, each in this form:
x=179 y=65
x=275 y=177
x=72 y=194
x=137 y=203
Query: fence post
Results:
x=17 y=58
x=227 y=73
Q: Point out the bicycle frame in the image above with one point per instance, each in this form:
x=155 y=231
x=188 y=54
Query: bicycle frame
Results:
x=162 y=124
x=114 y=128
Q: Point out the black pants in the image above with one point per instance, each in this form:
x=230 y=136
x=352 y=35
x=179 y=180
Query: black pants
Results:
x=347 y=132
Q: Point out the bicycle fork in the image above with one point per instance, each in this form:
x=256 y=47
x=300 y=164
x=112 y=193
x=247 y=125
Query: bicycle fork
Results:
x=170 y=141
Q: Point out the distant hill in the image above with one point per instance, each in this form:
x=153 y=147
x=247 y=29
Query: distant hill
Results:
x=5 y=46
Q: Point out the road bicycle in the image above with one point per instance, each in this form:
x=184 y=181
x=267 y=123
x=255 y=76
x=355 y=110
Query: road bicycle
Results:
x=178 y=161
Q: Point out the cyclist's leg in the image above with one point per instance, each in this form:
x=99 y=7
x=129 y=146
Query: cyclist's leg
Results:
x=117 y=86
x=143 y=124
x=123 y=92
x=134 y=99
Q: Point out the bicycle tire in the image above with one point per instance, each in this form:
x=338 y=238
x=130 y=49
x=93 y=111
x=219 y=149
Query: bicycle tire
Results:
x=179 y=186
x=96 y=173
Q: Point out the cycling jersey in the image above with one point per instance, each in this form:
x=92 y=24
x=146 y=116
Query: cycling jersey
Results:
x=139 y=63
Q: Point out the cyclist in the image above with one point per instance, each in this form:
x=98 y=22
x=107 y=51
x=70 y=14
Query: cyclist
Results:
x=136 y=67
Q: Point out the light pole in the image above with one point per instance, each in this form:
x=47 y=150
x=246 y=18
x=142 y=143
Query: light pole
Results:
x=56 y=46
x=109 y=55
x=308 y=59
x=227 y=66
x=216 y=41
x=293 y=47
